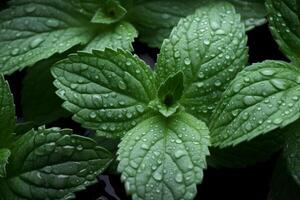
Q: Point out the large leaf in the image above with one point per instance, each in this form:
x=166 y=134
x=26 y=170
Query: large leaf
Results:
x=210 y=48
x=163 y=158
x=283 y=186
x=292 y=151
x=37 y=105
x=119 y=35
x=107 y=90
x=32 y=30
x=247 y=153
x=7 y=112
x=4 y=155
x=261 y=98
x=52 y=164
x=285 y=26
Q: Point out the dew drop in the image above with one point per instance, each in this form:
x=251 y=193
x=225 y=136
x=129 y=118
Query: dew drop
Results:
x=187 y=61
x=157 y=176
x=122 y=85
x=277 y=121
x=267 y=72
x=15 y=52
x=93 y=115
x=179 y=178
x=179 y=154
x=36 y=42
x=140 y=108
x=206 y=42
x=52 y=23
x=30 y=9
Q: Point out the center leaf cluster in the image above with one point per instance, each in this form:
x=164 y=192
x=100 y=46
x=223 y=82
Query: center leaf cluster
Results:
x=168 y=95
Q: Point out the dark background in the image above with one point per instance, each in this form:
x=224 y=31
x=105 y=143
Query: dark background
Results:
x=250 y=183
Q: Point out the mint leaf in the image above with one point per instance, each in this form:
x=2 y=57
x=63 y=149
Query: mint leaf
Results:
x=7 y=113
x=261 y=98
x=210 y=48
x=109 y=13
x=283 y=186
x=37 y=105
x=292 y=151
x=247 y=153
x=163 y=158
x=253 y=12
x=52 y=164
x=4 y=155
x=284 y=24
x=171 y=90
x=32 y=30
x=119 y=35
x=107 y=91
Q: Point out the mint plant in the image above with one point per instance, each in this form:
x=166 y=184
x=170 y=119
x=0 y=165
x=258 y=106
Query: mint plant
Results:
x=44 y=163
x=33 y=30
x=161 y=116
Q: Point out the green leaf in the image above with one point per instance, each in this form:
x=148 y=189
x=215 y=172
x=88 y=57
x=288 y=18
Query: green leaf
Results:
x=283 y=186
x=163 y=158
x=37 y=105
x=52 y=164
x=253 y=12
x=109 y=13
x=107 y=91
x=284 y=24
x=172 y=88
x=32 y=30
x=4 y=155
x=247 y=153
x=292 y=151
x=261 y=98
x=7 y=113
x=210 y=48
x=119 y=35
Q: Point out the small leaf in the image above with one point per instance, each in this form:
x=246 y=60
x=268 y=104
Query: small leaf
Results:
x=285 y=26
x=172 y=87
x=107 y=91
x=109 y=13
x=163 y=158
x=292 y=151
x=4 y=155
x=52 y=164
x=7 y=113
x=32 y=30
x=210 y=48
x=263 y=97
x=39 y=106
x=119 y=35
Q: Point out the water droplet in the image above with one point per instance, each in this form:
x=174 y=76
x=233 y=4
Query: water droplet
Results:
x=30 y=9
x=206 y=42
x=179 y=154
x=93 y=115
x=15 y=52
x=267 y=72
x=277 y=121
x=140 y=108
x=157 y=176
x=218 y=83
x=279 y=84
x=79 y=147
x=249 y=100
x=179 y=178
x=52 y=23
x=122 y=85
x=187 y=61
x=36 y=42
x=199 y=85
